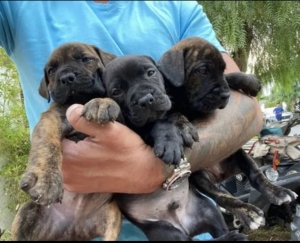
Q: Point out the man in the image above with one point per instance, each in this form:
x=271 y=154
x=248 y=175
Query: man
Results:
x=30 y=30
x=278 y=112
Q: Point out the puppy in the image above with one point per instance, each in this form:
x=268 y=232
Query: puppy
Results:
x=137 y=86
x=193 y=70
x=72 y=75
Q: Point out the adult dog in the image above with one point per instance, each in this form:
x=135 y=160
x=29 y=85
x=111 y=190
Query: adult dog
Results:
x=193 y=70
x=72 y=75
x=137 y=86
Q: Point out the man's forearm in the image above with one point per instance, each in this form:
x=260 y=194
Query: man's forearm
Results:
x=231 y=66
x=226 y=130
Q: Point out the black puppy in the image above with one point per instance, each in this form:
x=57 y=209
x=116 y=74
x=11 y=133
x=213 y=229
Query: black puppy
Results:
x=194 y=74
x=137 y=86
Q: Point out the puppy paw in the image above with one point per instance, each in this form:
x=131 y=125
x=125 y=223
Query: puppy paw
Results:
x=254 y=85
x=170 y=152
x=279 y=195
x=185 y=128
x=248 y=83
x=189 y=134
x=101 y=110
x=248 y=215
x=44 y=186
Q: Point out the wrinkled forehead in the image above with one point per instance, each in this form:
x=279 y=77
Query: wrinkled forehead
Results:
x=129 y=65
x=126 y=69
x=199 y=48
x=196 y=49
x=70 y=52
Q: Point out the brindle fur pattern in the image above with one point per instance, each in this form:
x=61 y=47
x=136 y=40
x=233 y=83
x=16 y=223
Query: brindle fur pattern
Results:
x=194 y=74
x=136 y=85
x=193 y=70
x=72 y=74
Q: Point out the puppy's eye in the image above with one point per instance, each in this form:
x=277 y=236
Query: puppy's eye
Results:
x=116 y=92
x=87 y=59
x=50 y=71
x=203 y=70
x=150 y=73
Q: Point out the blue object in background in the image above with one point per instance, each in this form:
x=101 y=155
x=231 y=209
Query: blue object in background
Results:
x=271 y=130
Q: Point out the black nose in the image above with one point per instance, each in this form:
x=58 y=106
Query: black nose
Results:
x=223 y=93
x=67 y=78
x=146 y=100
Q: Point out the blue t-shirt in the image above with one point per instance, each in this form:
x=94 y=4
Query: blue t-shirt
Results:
x=30 y=30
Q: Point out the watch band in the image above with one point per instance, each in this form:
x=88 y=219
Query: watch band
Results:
x=180 y=173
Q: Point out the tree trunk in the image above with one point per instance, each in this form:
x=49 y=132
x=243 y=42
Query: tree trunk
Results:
x=241 y=55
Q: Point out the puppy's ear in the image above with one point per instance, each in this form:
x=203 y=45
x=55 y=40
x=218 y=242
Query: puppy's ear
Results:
x=105 y=57
x=43 y=89
x=150 y=58
x=171 y=65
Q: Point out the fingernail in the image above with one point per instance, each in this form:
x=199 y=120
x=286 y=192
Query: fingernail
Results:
x=71 y=109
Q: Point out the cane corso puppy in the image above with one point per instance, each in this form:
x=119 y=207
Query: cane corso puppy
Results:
x=193 y=71
x=137 y=86
x=72 y=74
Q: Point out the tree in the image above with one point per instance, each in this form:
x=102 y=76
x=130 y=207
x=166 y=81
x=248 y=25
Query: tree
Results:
x=14 y=130
x=265 y=31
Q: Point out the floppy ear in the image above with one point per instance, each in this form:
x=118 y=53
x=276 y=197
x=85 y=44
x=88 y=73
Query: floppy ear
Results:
x=105 y=57
x=43 y=89
x=171 y=65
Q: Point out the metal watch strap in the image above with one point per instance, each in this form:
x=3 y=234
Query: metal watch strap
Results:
x=180 y=173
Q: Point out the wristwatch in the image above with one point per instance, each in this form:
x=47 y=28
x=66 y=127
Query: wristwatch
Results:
x=180 y=173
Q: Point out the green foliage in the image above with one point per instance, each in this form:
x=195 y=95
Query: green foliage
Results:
x=279 y=94
x=14 y=129
x=265 y=31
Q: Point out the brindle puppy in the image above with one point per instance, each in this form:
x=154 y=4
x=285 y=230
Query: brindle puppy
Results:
x=193 y=71
x=137 y=86
x=72 y=75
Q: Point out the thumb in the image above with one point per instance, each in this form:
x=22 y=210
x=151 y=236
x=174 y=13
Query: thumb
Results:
x=80 y=124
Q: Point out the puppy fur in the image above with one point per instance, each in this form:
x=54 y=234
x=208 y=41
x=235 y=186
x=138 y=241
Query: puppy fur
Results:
x=72 y=74
x=136 y=85
x=194 y=73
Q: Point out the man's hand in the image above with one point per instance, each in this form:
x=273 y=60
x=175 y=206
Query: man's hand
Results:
x=112 y=159
x=115 y=159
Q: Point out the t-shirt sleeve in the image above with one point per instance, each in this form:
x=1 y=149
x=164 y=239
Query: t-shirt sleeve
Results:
x=194 y=22
x=6 y=21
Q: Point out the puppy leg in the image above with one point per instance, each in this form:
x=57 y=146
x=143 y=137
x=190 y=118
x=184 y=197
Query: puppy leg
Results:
x=42 y=179
x=232 y=236
x=209 y=218
x=113 y=222
x=171 y=135
x=79 y=217
x=275 y=194
x=249 y=215
x=248 y=83
x=163 y=231
x=25 y=226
